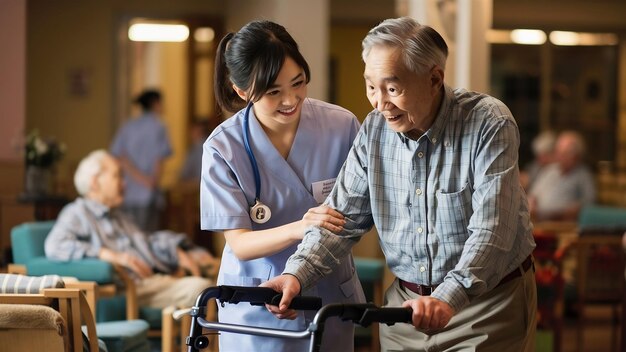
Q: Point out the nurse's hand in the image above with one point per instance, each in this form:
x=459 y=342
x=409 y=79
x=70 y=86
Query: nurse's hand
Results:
x=290 y=287
x=429 y=314
x=323 y=216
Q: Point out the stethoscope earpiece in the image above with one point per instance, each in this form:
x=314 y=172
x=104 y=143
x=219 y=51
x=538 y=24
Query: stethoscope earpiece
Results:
x=259 y=212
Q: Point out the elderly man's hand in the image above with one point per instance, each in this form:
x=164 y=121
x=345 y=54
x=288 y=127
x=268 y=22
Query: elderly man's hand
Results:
x=429 y=314
x=186 y=262
x=289 y=286
x=127 y=260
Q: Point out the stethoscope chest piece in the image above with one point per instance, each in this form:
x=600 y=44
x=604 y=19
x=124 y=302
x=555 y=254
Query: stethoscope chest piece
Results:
x=260 y=213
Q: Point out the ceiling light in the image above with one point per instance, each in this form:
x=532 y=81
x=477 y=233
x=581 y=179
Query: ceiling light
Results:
x=499 y=36
x=204 y=35
x=578 y=38
x=157 y=32
x=528 y=36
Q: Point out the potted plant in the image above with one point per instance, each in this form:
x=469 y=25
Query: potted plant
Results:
x=41 y=155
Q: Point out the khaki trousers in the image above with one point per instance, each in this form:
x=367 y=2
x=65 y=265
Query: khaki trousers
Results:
x=502 y=319
x=160 y=291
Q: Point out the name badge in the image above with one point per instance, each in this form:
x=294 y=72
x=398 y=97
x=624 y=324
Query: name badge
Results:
x=321 y=189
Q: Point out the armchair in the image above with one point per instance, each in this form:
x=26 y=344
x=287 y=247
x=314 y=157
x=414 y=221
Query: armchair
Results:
x=112 y=305
x=39 y=313
x=600 y=266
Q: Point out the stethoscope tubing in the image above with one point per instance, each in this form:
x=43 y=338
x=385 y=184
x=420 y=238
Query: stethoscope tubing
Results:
x=259 y=212
x=246 y=143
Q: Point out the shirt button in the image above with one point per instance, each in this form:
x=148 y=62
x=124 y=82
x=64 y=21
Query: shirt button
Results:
x=434 y=140
x=422 y=269
x=420 y=154
x=447 y=143
x=420 y=230
x=418 y=192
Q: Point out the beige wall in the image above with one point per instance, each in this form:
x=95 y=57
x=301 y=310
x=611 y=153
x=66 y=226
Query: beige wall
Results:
x=65 y=38
x=345 y=50
x=174 y=72
x=76 y=38
x=13 y=73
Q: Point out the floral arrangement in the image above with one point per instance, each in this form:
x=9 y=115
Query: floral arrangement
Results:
x=42 y=152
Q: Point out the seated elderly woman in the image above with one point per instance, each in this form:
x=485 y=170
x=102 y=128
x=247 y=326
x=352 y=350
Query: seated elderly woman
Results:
x=94 y=226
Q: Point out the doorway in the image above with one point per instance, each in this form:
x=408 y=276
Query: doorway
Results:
x=181 y=70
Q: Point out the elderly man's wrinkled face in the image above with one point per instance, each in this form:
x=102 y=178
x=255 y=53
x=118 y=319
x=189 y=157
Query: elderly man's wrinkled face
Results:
x=407 y=100
x=108 y=186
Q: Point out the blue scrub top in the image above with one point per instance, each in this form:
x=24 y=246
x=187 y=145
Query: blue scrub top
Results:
x=144 y=141
x=324 y=137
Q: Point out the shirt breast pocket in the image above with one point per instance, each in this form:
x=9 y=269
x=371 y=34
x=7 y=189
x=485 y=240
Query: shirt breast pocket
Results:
x=453 y=212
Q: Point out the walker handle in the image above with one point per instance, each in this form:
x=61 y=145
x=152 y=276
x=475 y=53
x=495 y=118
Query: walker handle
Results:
x=258 y=296
x=299 y=302
x=385 y=315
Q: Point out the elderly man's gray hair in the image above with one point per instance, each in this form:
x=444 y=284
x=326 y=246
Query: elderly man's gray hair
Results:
x=87 y=169
x=422 y=47
x=544 y=143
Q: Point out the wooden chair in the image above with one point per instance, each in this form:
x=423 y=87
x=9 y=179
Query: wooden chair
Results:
x=600 y=278
x=116 y=302
x=49 y=320
x=118 y=336
x=600 y=263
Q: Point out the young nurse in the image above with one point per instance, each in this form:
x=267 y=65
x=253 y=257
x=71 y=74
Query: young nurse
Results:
x=265 y=172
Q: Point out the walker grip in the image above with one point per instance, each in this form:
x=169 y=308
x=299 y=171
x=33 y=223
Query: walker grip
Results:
x=258 y=296
x=386 y=315
x=300 y=302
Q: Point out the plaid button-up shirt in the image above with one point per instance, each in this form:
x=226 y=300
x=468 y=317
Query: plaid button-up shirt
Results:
x=448 y=207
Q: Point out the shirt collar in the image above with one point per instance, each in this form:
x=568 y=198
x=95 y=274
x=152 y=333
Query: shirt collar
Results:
x=98 y=209
x=436 y=130
x=148 y=115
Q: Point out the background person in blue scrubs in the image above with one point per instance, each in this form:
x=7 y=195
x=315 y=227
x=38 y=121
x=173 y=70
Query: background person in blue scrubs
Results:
x=141 y=146
x=299 y=145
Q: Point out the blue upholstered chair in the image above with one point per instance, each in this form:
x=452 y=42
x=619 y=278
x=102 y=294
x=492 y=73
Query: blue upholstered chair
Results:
x=600 y=218
x=113 y=307
x=600 y=264
x=27 y=245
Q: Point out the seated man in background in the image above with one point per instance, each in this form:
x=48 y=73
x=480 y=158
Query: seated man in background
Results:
x=562 y=188
x=543 y=153
x=94 y=226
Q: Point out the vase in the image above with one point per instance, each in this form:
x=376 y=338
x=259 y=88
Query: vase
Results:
x=39 y=181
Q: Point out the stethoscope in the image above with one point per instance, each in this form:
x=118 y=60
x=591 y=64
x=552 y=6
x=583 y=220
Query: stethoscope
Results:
x=259 y=212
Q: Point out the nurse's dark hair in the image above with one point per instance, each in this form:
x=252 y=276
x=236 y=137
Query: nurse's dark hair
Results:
x=148 y=98
x=251 y=59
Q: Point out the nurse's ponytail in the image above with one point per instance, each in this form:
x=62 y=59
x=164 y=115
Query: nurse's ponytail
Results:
x=225 y=95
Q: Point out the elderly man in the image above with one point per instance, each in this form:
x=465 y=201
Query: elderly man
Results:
x=436 y=170
x=93 y=226
x=561 y=189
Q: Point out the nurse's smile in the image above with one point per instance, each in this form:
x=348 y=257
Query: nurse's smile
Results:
x=289 y=111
